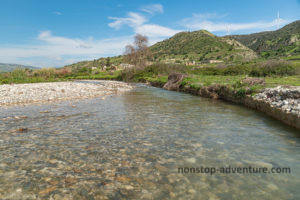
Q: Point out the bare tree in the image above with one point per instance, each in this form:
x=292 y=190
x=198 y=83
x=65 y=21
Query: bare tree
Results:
x=130 y=54
x=139 y=53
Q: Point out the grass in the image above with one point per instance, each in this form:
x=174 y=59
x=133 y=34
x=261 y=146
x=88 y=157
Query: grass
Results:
x=29 y=76
x=287 y=80
x=273 y=72
x=207 y=80
x=52 y=75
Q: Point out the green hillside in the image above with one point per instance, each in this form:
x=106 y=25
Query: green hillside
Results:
x=200 y=46
x=10 y=67
x=186 y=47
x=282 y=42
x=99 y=63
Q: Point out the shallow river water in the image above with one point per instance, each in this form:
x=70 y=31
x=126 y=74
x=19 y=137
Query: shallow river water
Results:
x=130 y=146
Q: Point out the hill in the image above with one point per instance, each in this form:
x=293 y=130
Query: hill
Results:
x=4 y=67
x=282 y=42
x=200 y=46
x=187 y=47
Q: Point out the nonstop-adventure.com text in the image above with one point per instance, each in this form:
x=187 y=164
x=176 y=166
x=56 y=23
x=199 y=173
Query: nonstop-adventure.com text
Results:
x=234 y=170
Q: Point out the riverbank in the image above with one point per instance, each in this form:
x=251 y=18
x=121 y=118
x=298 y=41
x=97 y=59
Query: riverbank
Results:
x=238 y=84
x=130 y=146
x=281 y=102
x=32 y=93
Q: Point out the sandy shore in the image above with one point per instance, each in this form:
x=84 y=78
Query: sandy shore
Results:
x=22 y=94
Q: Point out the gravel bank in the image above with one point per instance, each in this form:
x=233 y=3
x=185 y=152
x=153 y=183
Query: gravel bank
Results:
x=23 y=94
x=285 y=98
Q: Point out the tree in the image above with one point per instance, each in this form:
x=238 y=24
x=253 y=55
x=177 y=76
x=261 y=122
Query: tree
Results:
x=138 y=53
x=108 y=62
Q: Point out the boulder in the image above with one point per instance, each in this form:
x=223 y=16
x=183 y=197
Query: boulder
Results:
x=174 y=81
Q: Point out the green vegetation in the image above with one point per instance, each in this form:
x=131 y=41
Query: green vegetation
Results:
x=271 y=72
x=101 y=63
x=20 y=75
x=277 y=69
x=283 y=42
x=200 y=47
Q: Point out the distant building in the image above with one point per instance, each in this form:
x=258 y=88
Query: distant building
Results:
x=126 y=66
x=215 y=61
x=191 y=63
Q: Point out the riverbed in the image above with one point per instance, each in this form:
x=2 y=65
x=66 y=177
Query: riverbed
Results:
x=130 y=146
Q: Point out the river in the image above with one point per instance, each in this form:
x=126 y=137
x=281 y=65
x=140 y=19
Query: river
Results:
x=130 y=146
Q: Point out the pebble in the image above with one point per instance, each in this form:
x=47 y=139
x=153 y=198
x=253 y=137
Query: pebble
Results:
x=128 y=187
x=285 y=98
x=191 y=160
x=48 y=92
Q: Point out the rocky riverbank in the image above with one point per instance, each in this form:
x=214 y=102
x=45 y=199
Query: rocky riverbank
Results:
x=282 y=102
x=286 y=99
x=22 y=94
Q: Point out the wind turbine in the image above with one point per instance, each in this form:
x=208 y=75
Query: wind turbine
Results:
x=277 y=20
x=228 y=28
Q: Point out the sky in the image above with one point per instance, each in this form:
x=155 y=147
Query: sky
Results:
x=54 y=33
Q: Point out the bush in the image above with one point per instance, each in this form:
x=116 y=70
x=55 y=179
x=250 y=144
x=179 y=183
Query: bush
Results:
x=63 y=72
x=273 y=68
x=166 y=69
x=236 y=70
x=18 y=74
x=46 y=73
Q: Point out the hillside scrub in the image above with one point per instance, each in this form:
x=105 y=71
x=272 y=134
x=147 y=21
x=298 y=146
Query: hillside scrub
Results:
x=260 y=69
x=273 y=68
x=272 y=44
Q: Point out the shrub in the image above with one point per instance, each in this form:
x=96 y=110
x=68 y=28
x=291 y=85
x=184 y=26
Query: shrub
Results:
x=46 y=73
x=236 y=70
x=273 y=68
x=166 y=69
x=63 y=72
x=18 y=74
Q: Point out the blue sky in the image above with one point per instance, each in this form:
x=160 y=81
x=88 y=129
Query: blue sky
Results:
x=52 y=33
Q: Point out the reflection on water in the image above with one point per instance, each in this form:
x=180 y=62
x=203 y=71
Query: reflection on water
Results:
x=129 y=147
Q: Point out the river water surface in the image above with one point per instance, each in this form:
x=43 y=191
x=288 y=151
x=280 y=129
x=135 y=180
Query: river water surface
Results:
x=130 y=146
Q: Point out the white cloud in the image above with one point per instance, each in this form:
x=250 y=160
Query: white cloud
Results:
x=57 y=13
x=207 y=22
x=58 y=51
x=154 y=30
x=138 y=23
x=153 y=8
x=133 y=19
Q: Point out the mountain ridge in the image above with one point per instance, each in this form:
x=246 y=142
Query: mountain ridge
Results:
x=8 y=67
x=282 y=42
